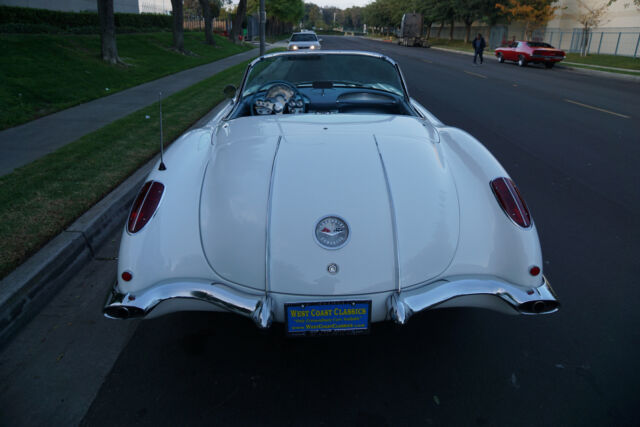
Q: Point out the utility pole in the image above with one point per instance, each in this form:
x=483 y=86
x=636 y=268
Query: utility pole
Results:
x=263 y=23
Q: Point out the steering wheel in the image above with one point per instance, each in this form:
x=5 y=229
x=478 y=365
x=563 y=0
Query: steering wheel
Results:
x=279 y=97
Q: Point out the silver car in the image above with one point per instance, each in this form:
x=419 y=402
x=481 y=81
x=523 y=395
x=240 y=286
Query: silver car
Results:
x=304 y=40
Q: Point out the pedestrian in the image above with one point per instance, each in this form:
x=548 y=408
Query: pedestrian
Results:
x=478 y=46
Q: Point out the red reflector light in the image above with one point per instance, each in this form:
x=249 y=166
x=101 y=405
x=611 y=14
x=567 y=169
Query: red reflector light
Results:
x=534 y=271
x=511 y=201
x=145 y=205
x=126 y=276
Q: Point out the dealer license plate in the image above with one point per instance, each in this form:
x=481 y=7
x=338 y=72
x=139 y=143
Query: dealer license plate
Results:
x=317 y=318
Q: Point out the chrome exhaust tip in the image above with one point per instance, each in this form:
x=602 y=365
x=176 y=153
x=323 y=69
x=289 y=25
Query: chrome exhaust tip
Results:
x=122 y=312
x=116 y=312
x=539 y=307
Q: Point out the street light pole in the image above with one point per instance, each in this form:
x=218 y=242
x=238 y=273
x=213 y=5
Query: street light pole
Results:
x=263 y=23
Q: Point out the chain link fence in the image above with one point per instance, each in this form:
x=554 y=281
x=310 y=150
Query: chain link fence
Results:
x=625 y=43
x=610 y=41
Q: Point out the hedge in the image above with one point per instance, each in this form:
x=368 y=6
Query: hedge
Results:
x=30 y=20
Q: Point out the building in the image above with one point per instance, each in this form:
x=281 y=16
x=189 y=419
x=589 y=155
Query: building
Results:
x=623 y=15
x=121 y=6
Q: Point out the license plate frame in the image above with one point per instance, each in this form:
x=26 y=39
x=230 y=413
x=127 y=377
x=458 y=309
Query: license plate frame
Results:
x=318 y=321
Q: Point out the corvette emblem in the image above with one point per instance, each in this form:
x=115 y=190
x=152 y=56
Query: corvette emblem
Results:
x=332 y=232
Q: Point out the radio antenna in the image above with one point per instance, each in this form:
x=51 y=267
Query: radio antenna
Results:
x=162 y=166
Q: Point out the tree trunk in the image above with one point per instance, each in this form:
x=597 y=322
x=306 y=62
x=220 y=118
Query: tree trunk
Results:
x=428 y=30
x=108 y=32
x=208 y=31
x=451 y=30
x=467 y=32
x=585 y=41
x=178 y=25
x=236 y=29
x=440 y=29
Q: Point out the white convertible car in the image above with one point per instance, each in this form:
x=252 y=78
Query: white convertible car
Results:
x=323 y=196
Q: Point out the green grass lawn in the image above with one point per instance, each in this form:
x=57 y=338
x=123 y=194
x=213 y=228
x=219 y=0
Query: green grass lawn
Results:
x=273 y=39
x=42 y=73
x=606 y=60
x=65 y=184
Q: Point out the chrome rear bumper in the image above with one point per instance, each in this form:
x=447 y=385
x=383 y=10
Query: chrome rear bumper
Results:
x=124 y=306
x=541 y=300
x=462 y=292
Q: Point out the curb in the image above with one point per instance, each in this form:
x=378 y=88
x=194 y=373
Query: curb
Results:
x=578 y=70
x=443 y=49
x=27 y=289
x=606 y=74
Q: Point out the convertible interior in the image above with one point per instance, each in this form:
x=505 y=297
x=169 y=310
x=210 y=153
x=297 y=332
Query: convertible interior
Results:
x=322 y=84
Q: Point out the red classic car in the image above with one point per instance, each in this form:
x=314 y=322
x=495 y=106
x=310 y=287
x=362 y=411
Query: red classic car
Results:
x=525 y=52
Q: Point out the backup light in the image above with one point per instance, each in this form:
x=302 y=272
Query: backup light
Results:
x=511 y=201
x=145 y=205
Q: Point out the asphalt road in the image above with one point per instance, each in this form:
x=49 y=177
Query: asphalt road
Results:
x=571 y=142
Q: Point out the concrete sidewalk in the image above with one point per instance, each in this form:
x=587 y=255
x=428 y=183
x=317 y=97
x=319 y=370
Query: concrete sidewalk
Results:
x=28 y=142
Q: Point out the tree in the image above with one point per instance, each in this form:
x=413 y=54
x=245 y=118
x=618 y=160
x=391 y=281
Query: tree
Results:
x=468 y=11
x=590 y=18
x=236 y=28
x=206 y=10
x=178 y=25
x=208 y=31
x=534 y=13
x=427 y=9
x=444 y=11
x=108 y=32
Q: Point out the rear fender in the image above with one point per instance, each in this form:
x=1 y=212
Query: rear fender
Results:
x=168 y=246
x=490 y=243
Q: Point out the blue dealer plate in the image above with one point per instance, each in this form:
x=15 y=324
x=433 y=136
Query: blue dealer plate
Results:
x=318 y=318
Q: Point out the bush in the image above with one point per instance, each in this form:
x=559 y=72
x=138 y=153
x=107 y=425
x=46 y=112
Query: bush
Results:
x=27 y=20
x=29 y=28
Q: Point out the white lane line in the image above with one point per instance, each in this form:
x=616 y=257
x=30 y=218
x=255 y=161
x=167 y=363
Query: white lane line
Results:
x=427 y=61
x=476 y=74
x=602 y=110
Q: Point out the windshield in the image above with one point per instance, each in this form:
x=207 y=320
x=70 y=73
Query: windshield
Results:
x=304 y=38
x=538 y=44
x=341 y=70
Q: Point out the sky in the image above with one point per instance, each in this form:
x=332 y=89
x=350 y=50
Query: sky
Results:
x=342 y=4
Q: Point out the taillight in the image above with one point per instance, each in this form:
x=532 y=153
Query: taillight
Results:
x=511 y=201
x=145 y=205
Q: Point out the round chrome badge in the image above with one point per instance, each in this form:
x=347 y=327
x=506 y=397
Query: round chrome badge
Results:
x=332 y=232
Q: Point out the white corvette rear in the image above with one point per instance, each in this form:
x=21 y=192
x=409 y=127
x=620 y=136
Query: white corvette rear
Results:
x=238 y=223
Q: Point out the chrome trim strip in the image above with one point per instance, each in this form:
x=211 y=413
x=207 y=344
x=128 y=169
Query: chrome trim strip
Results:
x=127 y=305
x=394 y=223
x=314 y=52
x=400 y=306
x=547 y=57
x=267 y=252
x=330 y=52
x=540 y=300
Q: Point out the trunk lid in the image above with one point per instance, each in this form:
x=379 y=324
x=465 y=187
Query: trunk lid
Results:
x=384 y=178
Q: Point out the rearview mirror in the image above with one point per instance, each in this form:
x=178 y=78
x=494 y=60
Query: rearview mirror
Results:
x=320 y=40
x=230 y=91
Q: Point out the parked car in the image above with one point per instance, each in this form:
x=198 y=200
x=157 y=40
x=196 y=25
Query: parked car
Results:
x=304 y=40
x=524 y=52
x=323 y=196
